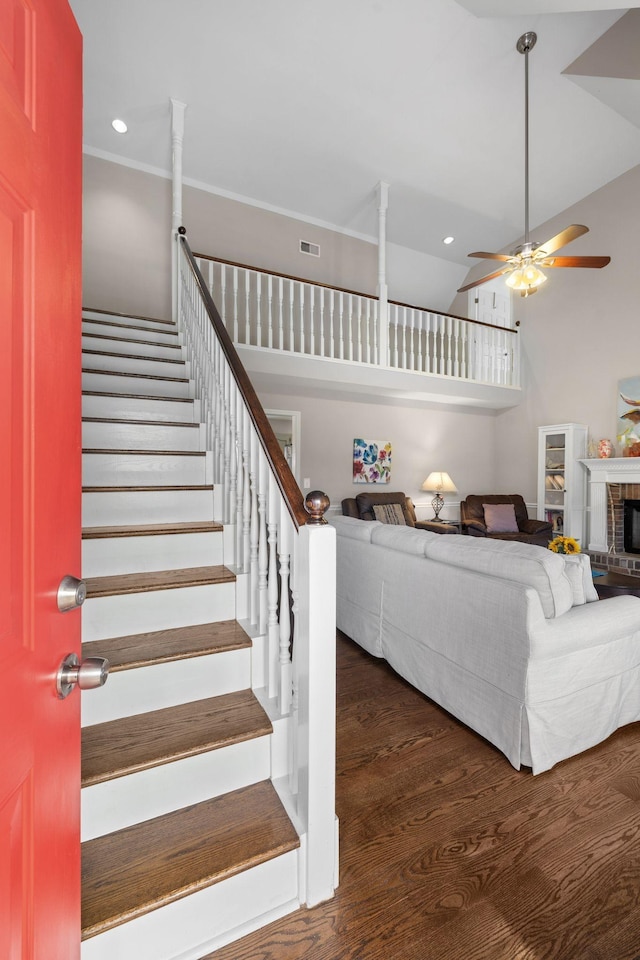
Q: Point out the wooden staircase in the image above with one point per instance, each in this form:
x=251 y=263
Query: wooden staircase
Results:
x=186 y=844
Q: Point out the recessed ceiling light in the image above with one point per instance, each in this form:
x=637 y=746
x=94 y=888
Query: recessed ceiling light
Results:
x=448 y=239
x=119 y=126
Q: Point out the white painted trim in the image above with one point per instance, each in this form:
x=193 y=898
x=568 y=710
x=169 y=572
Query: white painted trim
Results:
x=296 y=421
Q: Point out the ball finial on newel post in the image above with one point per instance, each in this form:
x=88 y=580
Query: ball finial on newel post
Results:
x=316 y=504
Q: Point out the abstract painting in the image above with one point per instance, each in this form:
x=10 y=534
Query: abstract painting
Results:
x=629 y=416
x=371 y=461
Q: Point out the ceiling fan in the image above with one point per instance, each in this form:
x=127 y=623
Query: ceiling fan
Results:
x=524 y=263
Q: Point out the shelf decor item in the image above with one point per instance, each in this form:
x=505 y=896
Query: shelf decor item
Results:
x=605 y=449
x=564 y=545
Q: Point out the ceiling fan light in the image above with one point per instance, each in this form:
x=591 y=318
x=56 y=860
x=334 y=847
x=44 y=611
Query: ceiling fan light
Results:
x=525 y=278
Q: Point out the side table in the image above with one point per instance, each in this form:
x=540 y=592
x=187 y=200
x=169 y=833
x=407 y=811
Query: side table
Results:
x=616 y=584
x=439 y=526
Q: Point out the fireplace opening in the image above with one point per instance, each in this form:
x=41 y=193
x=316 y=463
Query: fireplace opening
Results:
x=632 y=526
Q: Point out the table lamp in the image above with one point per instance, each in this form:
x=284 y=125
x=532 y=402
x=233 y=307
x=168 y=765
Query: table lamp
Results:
x=439 y=483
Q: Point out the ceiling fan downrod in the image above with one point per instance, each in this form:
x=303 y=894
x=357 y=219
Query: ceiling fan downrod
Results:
x=525 y=44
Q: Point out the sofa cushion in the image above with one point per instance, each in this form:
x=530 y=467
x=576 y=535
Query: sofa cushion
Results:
x=403 y=539
x=389 y=513
x=523 y=563
x=354 y=529
x=500 y=517
x=366 y=501
x=578 y=569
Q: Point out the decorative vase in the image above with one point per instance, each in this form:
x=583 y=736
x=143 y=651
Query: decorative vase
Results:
x=605 y=449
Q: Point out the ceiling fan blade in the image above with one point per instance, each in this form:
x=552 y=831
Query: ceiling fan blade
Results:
x=476 y=283
x=576 y=262
x=491 y=256
x=562 y=239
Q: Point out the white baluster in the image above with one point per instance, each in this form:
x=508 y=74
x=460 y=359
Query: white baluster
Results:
x=312 y=332
x=223 y=293
x=246 y=499
x=322 y=350
x=301 y=308
x=412 y=358
x=280 y=313
x=263 y=554
x=240 y=483
x=254 y=531
x=284 y=555
x=448 y=322
x=235 y=305
x=259 y=310
x=350 y=325
x=273 y=628
x=233 y=450
x=331 y=315
x=270 y=318
x=341 y=328
x=291 y=345
x=247 y=307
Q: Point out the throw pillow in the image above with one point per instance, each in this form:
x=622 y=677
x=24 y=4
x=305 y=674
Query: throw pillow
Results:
x=500 y=517
x=389 y=513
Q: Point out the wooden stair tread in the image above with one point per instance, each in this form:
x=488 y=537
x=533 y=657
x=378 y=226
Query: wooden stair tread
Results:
x=124 y=421
x=139 y=376
x=128 y=326
x=136 y=396
x=124 y=316
x=163 y=646
x=132 y=871
x=124 y=583
x=125 y=746
x=151 y=489
x=115 y=339
x=151 y=530
x=146 y=453
x=129 y=356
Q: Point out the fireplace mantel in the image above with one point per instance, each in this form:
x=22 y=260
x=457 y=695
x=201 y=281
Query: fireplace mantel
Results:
x=602 y=472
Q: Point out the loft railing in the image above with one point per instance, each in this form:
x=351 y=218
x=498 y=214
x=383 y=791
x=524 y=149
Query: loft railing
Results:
x=283 y=554
x=274 y=311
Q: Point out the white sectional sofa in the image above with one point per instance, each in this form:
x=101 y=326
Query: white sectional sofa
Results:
x=503 y=635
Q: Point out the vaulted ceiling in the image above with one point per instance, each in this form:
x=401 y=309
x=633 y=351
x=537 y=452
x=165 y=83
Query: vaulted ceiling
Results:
x=303 y=106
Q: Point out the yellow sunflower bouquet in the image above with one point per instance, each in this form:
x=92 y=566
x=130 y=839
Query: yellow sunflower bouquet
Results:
x=564 y=545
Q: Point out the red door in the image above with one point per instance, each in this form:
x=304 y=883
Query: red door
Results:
x=40 y=231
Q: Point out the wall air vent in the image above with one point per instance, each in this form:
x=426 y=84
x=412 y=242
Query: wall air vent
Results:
x=313 y=249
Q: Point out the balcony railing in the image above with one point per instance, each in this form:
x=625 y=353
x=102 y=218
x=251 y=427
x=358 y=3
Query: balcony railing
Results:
x=277 y=312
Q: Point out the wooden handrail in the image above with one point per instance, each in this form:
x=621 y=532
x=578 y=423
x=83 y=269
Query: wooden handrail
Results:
x=354 y=293
x=286 y=481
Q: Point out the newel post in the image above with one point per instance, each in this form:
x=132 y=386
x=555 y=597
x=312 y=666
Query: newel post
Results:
x=383 y=290
x=316 y=670
x=177 y=138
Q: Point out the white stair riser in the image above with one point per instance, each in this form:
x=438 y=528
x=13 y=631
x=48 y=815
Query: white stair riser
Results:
x=140 y=796
x=120 y=364
x=131 y=332
x=130 y=692
x=136 y=436
x=143 y=469
x=119 y=508
x=204 y=921
x=161 y=351
x=144 y=386
x=140 y=408
x=124 y=614
x=107 y=556
x=133 y=321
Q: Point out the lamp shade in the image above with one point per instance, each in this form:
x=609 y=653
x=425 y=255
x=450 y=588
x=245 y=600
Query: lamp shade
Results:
x=439 y=482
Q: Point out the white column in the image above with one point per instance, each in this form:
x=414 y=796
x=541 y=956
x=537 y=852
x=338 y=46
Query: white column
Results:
x=383 y=290
x=177 y=137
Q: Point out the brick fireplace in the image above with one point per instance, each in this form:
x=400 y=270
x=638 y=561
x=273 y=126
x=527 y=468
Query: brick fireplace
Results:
x=611 y=483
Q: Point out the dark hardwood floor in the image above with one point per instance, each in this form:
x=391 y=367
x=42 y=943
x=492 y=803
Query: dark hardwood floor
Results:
x=448 y=853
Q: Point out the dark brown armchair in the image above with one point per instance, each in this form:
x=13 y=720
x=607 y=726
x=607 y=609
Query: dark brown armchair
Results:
x=474 y=521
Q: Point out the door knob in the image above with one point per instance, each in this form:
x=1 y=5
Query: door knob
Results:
x=71 y=593
x=89 y=674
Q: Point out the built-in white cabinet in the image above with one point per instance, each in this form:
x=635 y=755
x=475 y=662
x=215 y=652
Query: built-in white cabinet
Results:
x=562 y=479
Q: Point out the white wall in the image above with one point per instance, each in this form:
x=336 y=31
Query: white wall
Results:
x=461 y=443
x=580 y=332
